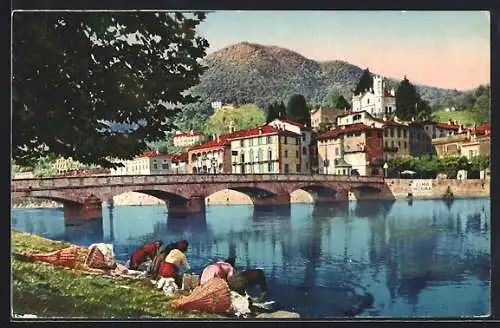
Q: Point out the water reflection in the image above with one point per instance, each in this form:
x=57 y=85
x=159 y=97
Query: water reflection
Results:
x=422 y=258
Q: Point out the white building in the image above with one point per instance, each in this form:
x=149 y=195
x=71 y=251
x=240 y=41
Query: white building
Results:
x=187 y=139
x=377 y=101
x=306 y=139
x=153 y=162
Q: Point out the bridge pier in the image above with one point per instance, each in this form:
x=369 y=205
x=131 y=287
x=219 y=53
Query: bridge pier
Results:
x=342 y=195
x=192 y=205
x=89 y=210
x=279 y=203
x=324 y=199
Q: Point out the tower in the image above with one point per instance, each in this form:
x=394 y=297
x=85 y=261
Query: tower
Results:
x=378 y=86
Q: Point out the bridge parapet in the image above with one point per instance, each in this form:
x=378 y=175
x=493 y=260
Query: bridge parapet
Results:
x=67 y=182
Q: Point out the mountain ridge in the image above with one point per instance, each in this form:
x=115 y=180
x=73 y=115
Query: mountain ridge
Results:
x=250 y=72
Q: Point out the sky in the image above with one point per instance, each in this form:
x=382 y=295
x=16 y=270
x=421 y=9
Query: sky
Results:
x=446 y=49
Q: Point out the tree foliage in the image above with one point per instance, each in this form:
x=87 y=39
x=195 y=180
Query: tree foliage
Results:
x=365 y=82
x=276 y=109
x=242 y=117
x=297 y=110
x=429 y=166
x=340 y=102
x=407 y=100
x=75 y=73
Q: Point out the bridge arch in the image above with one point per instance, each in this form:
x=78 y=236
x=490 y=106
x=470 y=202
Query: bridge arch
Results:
x=319 y=193
x=364 y=192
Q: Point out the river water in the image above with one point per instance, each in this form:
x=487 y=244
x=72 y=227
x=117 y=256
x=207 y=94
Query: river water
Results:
x=419 y=259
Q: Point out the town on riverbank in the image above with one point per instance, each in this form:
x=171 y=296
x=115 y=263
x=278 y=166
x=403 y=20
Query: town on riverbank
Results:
x=153 y=108
x=363 y=139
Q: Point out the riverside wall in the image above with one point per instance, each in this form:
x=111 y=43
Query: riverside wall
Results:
x=394 y=189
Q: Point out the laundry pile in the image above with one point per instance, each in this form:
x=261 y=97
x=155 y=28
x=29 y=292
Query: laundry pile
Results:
x=219 y=289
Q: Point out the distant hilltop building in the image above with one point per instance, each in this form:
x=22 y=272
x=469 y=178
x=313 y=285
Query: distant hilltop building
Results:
x=187 y=139
x=377 y=101
x=216 y=105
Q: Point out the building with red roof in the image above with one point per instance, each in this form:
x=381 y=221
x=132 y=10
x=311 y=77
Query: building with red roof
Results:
x=469 y=142
x=234 y=152
x=396 y=134
x=267 y=149
x=308 y=151
x=358 y=145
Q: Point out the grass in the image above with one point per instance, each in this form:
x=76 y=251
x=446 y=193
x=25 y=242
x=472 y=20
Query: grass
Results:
x=467 y=117
x=50 y=291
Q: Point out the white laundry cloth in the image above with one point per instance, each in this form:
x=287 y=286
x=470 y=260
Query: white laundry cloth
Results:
x=168 y=286
x=240 y=305
x=106 y=249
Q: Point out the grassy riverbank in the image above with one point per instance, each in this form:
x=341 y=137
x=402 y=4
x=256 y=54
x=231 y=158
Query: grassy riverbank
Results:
x=50 y=291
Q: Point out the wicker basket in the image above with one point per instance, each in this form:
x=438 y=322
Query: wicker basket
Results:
x=214 y=296
x=96 y=259
x=63 y=257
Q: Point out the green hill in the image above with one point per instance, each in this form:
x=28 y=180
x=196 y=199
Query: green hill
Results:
x=254 y=73
x=466 y=117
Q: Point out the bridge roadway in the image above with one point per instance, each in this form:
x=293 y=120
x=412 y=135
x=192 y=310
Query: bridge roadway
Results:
x=185 y=193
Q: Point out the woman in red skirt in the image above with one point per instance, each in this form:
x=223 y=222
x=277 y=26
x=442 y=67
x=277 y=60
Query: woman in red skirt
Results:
x=144 y=252
x=175 y=260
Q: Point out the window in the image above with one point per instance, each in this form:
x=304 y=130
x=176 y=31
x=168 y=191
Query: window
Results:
x=269 y=154
x=287 y=168
x=391 y=132
x=297 y=154
x=241 y=143
x=368 y=101
x=336 y=151
x=406 y=145
x=270 y=167
x=368 y=133
x=164 y=166
x=268 y=139
x=471 y=153
x=405 y=133
x=304 y=150
x=399 y=143
x=155 y=166
x=261 y=168
x=251 y=141
x=399 y=132
x=390 y=109
x=286 y=153
x=386 y=132
x=297 y=168
x=251 y=158
x=297 y=140
x=392 y=143
x=260 y=155
x=386 y=144
x=285 y=141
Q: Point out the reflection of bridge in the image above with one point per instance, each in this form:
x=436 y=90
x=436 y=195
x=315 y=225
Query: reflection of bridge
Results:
x=82 y=196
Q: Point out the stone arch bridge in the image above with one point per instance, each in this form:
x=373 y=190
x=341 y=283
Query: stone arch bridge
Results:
x=82 y=196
